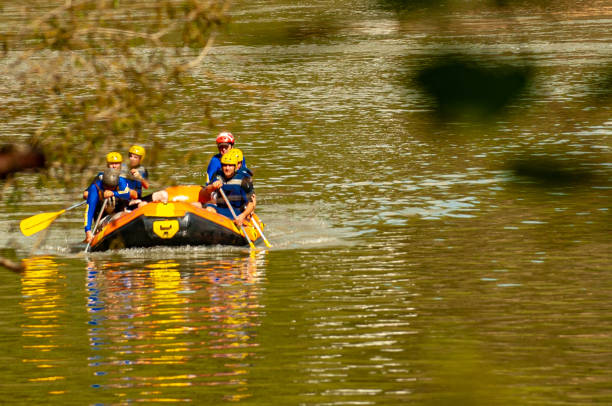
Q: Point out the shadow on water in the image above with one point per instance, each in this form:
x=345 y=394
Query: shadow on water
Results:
x=602 y=87
x=474 y=95
x=411 y=6
x=550 y=172
x=466 y=87
x=284 y=31
x=408 y=6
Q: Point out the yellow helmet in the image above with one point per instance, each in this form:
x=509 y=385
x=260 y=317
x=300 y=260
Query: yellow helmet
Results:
x=238 y=153
x=138 y=150
x=229 y=159
x=114 y=157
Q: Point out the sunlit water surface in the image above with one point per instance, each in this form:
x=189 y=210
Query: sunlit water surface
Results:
x=409 y=264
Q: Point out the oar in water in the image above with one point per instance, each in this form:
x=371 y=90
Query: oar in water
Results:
x=39 y=222
x=234 y=214
x=93 y=230
x=255 y=223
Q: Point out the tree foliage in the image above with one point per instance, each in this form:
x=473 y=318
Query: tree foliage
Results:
x=103 y=74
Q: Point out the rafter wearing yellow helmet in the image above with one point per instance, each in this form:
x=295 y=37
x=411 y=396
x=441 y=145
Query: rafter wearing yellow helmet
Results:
x=138 y=150
x=108 y=191
x=113 y=160
x=229 y=158
x=239 y=155
x=136 y=174
x=237 y=188
x=240 y=161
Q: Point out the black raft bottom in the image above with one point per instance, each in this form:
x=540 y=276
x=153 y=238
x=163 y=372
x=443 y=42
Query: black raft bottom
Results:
x=146 y=231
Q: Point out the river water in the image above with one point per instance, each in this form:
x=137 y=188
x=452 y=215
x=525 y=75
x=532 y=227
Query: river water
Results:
x=410 y=263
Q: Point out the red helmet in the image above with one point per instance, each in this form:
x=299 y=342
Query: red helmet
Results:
x=226 y=137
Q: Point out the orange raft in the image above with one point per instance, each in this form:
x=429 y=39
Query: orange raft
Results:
x=175 y=223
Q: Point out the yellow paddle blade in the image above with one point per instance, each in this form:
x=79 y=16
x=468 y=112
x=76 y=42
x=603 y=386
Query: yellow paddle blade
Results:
x=39 y=222
x=256 y=222
x=244 y=233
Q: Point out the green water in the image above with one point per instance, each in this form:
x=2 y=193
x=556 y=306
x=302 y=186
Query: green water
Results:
x=409 y=265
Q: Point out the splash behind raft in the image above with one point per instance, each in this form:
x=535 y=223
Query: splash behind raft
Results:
x=175 y=223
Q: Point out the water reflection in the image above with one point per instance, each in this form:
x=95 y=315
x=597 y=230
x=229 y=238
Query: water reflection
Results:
x=157 y=330
x=43 y=300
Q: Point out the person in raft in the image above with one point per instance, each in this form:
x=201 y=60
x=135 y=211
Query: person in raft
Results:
x=136 y=174
x=109 y=186
x=240 y=167
x=246 y=171
x=237 y=186
x=208 y=194
x=113 y=161
x=225 y=142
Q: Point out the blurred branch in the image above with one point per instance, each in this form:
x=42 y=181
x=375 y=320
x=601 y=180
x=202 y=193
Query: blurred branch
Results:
x=11 y=265
x=126 y=33
x=17 y=157
x=198 y=60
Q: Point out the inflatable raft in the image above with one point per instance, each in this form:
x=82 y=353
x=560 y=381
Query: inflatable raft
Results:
x=174 y=223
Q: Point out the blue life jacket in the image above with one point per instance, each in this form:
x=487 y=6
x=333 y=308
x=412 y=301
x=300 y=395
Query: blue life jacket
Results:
x=215 y=165
x=95 y=197
x=246 y=171
x=238 y=190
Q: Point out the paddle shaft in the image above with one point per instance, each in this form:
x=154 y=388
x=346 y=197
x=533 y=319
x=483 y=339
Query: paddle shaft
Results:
x=74 y=206
x=234 y=214
x=93 y=230
x=255 y=223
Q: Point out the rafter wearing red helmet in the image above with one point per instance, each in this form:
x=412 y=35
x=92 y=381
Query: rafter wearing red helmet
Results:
x=225 y=142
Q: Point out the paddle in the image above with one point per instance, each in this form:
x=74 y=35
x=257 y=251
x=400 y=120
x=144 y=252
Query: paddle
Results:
x=39 y=222
x=260 y=231
x=93 y=230
x=234 y=214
